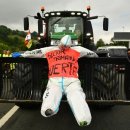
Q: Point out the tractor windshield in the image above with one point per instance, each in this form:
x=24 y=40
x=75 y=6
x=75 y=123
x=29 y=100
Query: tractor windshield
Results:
x=60 y=26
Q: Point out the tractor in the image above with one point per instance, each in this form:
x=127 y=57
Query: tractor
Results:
x=100 y=80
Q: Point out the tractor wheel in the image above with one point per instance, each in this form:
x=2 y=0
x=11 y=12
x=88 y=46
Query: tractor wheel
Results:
x=105 y=83
x=22 y=83
x=24 y=88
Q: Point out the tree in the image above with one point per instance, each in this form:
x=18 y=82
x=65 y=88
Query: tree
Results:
x=100 y=42
x=4 y=31
x=3 y=47
x=13 y=40
x=118 y=43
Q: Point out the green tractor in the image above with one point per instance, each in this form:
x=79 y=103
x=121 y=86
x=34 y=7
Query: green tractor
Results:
x=52 y=26
x=100 y=80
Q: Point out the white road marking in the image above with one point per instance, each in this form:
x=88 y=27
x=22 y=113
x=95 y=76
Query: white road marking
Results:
x=6 y=117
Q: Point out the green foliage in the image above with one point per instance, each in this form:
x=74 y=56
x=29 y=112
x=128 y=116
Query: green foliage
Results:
x=119 y=43
x=3 y=47
x=4 y=31
x=13 y=40
x=100 y=42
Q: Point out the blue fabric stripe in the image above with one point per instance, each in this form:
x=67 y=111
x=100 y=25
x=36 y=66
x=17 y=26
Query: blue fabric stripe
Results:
x=62 y=89
x=67 y=40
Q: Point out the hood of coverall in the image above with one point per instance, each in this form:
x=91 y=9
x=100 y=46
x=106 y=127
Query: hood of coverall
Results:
x=65 y=41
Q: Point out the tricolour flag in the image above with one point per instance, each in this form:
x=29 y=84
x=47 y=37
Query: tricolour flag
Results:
x=28 y=41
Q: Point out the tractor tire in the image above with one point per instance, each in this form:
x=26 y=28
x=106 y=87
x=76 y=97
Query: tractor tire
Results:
x=22 y=83
x=105 y=84
x=25 y=88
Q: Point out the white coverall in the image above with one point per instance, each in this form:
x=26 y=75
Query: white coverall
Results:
x=63 y=79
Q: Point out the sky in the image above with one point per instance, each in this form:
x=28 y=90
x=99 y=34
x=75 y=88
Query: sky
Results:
x=12 y=13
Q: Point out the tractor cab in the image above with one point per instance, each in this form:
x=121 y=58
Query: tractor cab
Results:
x=52 y=26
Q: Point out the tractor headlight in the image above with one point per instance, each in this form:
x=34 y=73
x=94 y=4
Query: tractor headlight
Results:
x=55 y=42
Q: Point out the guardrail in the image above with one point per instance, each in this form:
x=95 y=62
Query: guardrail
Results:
x=104 y=80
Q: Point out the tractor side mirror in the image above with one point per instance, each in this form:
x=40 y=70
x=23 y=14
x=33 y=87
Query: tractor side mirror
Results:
x=26 y=23
x=40 y=26
x=105 y=24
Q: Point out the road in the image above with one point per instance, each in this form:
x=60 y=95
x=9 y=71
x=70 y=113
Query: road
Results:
x=117 y=118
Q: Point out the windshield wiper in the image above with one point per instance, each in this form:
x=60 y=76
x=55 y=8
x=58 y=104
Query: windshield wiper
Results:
x=56 y=21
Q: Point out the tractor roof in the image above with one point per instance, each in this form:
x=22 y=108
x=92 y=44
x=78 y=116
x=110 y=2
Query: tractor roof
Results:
x=65 y=14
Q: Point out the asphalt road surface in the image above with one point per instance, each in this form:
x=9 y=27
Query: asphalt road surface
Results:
x=117 y=118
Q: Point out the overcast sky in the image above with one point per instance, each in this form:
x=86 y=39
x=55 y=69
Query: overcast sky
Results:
x=12 y=13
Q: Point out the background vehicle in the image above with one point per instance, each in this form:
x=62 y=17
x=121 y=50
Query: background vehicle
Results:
x=114 y=51
x=99 y=78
